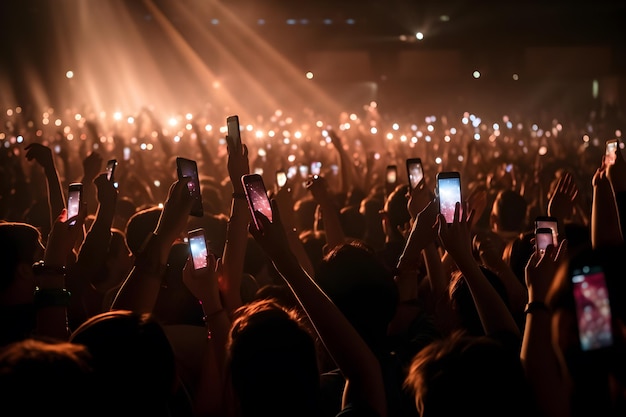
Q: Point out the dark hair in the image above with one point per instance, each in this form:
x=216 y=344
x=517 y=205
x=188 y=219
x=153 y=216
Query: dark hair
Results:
x=362 y=287
x=510 y=208
x=140 y=225
x=273 y=361
x=20 y=242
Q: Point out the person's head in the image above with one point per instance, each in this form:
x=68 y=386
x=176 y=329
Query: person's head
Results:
x=374 y=233
x=273 y=364
x=395 y=212
x=362 y=287
x=40 y=377
x=469 y=375
x=132 y=359
x=508 y=212
x=21 y=247
x=304 y=213
x=140 y=225
x=352 y=222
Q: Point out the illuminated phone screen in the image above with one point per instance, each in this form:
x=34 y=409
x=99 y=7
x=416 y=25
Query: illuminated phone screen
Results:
x=449 y=189
x=593 y=310
x=198 y=249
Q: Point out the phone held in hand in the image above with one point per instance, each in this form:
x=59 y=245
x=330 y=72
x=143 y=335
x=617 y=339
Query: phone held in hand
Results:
x=198 y=248
x=415 y=172
x=612 y=145
x=550 y=222
x=593 y=309
x=188 y=169
x=449 y=192
x=110 y=169
x=234 y=133
x=74 y=199
x=543 y=238
x=257 y=197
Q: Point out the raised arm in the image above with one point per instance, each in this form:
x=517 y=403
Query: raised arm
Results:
x=543 y=369
x=141 y=288
x=456 y=238
x=43 y=155
x=605 y=223
x=237 y=232
x=208 y=395
x=349 y=351
x=318 y=186
x=52 y=298
x=92 y=167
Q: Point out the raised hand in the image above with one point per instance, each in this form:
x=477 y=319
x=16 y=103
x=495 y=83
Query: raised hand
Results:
x=456 y=236
x=41 y=154
x=419 y=198
x=561 y=204
x=106 y=191
x=541 y=270
x=92 y=166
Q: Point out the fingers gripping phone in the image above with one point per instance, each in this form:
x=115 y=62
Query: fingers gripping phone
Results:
x=198 y=248
x=593 y=309
x=612 y=145
x=415 y=171
x=257 y=197
x=187 y=168
x=234 y=132
x=449 y=192
x=74 y=199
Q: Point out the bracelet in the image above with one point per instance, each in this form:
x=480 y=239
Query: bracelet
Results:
x=40 y=268
x=534 y=306
x=51 y=297
x=241 y=196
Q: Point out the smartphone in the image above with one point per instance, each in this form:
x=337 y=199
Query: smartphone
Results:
x=234 y=132
x=198 y=248
x=110 y=169
x=392 y=174
x=316 y=168
x=304 y=171
x=415 y=171
x=126 y=153
x=281 y=178
x=74 y=199
x=550 y=222
x=257 y=197
x=187 y=168
x=593 y=309
x=611 y=151
x=543 y=238
x=449 y=192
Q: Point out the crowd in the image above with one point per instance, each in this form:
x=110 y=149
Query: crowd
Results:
x=357 y=297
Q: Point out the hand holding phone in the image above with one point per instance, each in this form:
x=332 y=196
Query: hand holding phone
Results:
x=449 y=192
x=257 y=197
x=234 y=133
x=187 y=169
